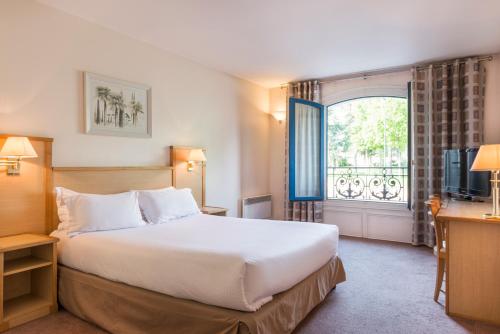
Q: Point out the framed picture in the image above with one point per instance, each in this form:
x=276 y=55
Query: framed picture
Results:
x=115 y=107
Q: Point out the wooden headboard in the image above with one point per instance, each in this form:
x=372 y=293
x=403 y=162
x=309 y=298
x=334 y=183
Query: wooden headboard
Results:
x=108 y=180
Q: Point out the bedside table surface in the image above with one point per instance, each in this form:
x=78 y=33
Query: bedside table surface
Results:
x=24 y=240
x=213 y=209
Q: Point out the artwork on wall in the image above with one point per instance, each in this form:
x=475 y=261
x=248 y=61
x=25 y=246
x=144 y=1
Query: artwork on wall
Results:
x=115 y=107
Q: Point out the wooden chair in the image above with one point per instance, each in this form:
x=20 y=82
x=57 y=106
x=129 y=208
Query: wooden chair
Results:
x=434 y=204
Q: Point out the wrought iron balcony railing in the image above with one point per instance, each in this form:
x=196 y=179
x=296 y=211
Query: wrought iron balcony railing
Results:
x=387 y=184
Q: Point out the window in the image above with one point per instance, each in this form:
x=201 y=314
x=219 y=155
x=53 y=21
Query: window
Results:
x=306 y=147
x=368 y=149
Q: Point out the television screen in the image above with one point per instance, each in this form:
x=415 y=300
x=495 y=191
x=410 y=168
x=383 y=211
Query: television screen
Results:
x=459 y=179
x=454 y=179
x=478 y=183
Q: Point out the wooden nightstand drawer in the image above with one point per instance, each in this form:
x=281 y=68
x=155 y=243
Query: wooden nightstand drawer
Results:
x=28 y=286
x=213 y=210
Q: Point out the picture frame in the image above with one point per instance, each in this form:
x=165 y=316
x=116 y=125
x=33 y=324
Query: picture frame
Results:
x=115 y=107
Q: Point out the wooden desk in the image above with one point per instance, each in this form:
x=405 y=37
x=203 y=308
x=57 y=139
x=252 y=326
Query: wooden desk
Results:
x=472 y=261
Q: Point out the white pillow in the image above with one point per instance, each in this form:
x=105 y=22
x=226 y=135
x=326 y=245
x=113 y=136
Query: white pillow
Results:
x=88 y=213
x=163 y=205
x=62 y=195
x=139 y=192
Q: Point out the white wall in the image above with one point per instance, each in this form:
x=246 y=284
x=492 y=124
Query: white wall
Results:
x=390 y=84
x=43 y=52
x=277 y=103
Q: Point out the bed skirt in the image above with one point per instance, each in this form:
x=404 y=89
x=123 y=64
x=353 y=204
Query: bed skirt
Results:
x=121 y=308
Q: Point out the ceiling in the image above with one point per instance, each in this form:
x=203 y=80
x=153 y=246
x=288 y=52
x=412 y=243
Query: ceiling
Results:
x=270 y=42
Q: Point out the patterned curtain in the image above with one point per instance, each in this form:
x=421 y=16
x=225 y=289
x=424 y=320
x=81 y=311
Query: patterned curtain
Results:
x=306 y=211
x=448 y=112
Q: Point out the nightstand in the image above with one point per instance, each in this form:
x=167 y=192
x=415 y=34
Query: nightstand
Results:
x=213 y=210
x=28 y=287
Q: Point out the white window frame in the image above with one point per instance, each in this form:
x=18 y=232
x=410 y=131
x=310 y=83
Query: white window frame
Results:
x=405 y=204
x=368 y=219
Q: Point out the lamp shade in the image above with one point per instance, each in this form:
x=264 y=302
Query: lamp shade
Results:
x=279 y=115
x=196 y=155
x=18 y=147
x=487 y=159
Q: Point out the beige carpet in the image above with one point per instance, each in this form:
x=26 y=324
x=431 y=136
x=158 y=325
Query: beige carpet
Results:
x=389 y=289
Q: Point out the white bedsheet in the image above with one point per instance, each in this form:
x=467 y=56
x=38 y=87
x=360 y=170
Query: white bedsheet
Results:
x=229 y=262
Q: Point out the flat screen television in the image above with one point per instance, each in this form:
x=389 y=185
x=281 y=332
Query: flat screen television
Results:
x=459 y=180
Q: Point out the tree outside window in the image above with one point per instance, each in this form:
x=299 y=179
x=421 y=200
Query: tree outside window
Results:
x=368 y=149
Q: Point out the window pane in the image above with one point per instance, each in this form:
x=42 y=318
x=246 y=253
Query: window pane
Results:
x=367 y=149
x=307 y=150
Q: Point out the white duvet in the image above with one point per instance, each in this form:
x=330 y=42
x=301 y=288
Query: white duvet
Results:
x=228 y=262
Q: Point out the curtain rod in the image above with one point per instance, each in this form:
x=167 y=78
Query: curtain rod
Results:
x=358 y=75
x=460 y=60
x=366 y=74
x=355 y=75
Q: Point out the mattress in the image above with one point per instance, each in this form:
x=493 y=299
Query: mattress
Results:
x=227 y=262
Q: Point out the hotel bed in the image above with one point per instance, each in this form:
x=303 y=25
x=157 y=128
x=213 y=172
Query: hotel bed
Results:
x=232 y=264
x=228 y=262
x=202 y=273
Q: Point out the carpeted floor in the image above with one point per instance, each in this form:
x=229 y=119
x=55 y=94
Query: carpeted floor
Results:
x=389 y=289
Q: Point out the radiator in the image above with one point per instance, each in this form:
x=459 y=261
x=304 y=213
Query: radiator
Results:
x=257 y=207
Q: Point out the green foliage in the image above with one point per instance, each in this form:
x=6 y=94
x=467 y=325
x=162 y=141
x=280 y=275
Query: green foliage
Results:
x=368 y=131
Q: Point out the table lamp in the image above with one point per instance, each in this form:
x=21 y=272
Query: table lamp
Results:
x=488 y=159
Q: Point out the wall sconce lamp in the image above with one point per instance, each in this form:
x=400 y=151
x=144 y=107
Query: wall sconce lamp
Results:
x=195 y=155
x=15 y=149
x=279 y=115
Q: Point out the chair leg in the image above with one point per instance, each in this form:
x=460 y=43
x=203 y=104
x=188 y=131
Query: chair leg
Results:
x=439 y=278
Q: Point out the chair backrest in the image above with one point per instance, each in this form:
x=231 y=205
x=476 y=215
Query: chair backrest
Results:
x=434 y=205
